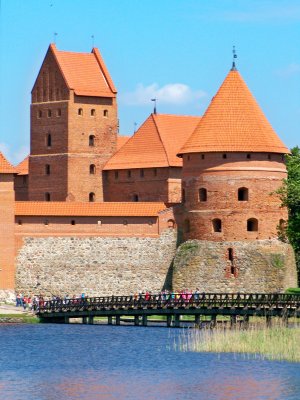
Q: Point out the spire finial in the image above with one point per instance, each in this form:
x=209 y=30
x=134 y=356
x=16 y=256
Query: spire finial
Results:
x=234 y=55
x=93 y=41
x=54 y=37
x=154 y=111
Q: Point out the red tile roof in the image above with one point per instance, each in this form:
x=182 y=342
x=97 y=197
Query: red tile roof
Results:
x=121 y=140
x=68 y=209
x=85 y=73
x=5 y=166
x=22 y=167
x=234 y=122
x=156 y=143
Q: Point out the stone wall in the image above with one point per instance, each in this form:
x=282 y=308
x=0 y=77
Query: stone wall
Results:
x=94 y=265
x=257 y=267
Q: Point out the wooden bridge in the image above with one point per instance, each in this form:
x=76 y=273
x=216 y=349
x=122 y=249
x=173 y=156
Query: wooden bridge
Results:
x=175 y=306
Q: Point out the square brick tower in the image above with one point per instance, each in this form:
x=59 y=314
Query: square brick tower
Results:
x=74 y=127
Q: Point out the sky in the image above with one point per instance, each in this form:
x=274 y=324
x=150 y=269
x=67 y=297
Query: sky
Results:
x=178 y=51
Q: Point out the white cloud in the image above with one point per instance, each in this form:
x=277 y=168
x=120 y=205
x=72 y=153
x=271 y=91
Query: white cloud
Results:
x=289 y=70
x=171 y=93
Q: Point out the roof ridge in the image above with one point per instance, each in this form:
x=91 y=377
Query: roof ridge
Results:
x=159 y=135
x=103 y=68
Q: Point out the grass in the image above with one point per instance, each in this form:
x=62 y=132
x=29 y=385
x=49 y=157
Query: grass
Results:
x=276 y=343
x=28 y=319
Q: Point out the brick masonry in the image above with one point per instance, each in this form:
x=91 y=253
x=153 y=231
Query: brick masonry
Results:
x=256 y=267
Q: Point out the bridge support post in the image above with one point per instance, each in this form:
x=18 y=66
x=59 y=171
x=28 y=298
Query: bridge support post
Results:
x=213 y=321
x=136 y=320
x=145 y=320
x=67 y=320
x=91 y=320
x=169 y=320
x=85 y=320
x=109 y=320
x=246 y=321
x=177 y=321
x=118 y=319
x=233 y=320
x=197 y=320
x=269 y=321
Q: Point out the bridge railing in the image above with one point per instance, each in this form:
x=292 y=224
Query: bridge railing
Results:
x=172 y=300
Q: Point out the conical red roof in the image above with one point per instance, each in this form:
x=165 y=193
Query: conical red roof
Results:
x=5 y=166
x=234 y=122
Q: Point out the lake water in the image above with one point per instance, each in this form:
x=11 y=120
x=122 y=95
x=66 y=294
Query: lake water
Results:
x=62 y=362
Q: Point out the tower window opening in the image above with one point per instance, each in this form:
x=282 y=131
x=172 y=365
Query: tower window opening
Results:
x=248 y=156
x=20 y=222
x=92 y=197
x=188 y=157
x=73 y=222
x=105 y=113
x=47 y=196
x=269 y=156
x=40 y=114
x=202 y=194
x=91 y=140
x=136 y=197
x=49 y=113
x=243 y=194
x=224 y=155
x=155 y=171
x=187 y=226
x=142 y=173
x=49 y=140
x=80 y=111
x=217 y=225
x=129 y=173
x=58 y=112
x=92 y=169
x=116 y=174
x=47 y=169
x=93 y=112
x=252 y=225
x=202 y=156
x=46 y=222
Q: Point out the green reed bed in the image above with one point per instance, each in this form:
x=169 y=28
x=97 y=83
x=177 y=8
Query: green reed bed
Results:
x=276 y=343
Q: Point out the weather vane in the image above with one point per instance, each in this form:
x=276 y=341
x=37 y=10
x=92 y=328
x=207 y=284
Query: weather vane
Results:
x=154 y=111
x=54 y=37
x=93 y=42
x=135 y=125
x=234 y=56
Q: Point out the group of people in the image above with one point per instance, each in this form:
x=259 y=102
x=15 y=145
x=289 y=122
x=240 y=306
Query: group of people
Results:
x=166 y=295
x=32 y=303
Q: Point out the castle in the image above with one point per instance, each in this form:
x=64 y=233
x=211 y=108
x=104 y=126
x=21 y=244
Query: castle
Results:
x=93 y=211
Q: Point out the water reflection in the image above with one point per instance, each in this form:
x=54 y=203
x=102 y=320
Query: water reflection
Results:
x=54 y=362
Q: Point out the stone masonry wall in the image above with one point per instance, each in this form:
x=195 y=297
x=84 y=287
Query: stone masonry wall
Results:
x=94 y=265
x=258 y=267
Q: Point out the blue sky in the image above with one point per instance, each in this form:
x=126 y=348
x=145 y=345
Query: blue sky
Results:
x=176 y=50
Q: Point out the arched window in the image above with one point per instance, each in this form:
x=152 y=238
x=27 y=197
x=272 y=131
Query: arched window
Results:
x=217 y=225
x=92 y=197
x=91 y=140
x=187 y=226
x=243 y=194
x=47 y=169
x=49 y=140
x=183 y=195
x=171 y=223
x=105 y=113
x=252 y=225
x=93 y=112
x=47 y=196
x=80 y=111
x=202 y=194
x=92 y=169
x=135 y=197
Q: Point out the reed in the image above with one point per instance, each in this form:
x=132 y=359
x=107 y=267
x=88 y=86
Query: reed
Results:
x=276 y=343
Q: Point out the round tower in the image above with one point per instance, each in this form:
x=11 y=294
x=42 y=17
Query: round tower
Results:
x=232 y=165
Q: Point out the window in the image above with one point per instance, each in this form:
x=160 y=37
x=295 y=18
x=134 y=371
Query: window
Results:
x=129 y=174
x=183 y=195
x=243 y=194
x=135 y=197
x=155 y=172
x=80 y=111
x=202 y=156
x=186 y=226
x=224 y=155
x=217 y=225
x=105 y=113
x=47 y=196
x=92 y=169
x=73 y=222
x=171 y=223
x=20 y=222
x=46 y=222
x=248 y=156
x=142 y=173
x=93 y=112
x=116 y=174
x=125 y=222
x=91 y=140
x=47 y=169
x=49 y=113
x=252 y=225
x=40 y=114
x=58 y=112
x=49 y=140
x=91 y=197
x=202 y=194
x=269 y=156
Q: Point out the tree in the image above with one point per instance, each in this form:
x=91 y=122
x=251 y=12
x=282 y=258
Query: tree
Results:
x=290 y=197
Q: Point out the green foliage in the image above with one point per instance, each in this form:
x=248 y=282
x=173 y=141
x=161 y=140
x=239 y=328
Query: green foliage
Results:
x=293 y=291
x=290 y=197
